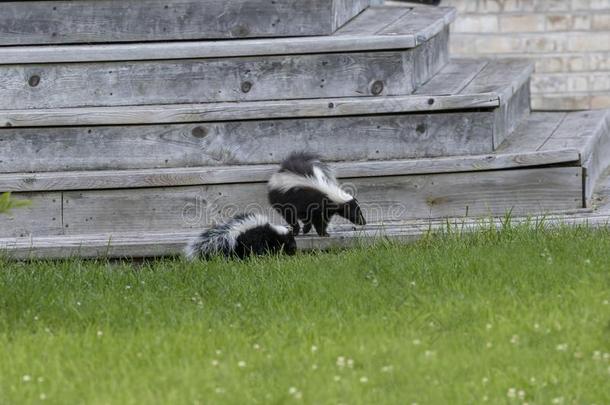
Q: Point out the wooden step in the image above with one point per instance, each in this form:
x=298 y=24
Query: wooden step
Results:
x=549 y=164
x=377 y=28
x=85 y=21
x=587 y=132
x=180 y=79
x=130 y=245
x=348 y=129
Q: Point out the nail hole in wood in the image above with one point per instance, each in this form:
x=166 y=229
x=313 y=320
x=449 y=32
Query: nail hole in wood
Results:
x=34 y=80
x=331 y=105
x=430 y=101
x=421 y=128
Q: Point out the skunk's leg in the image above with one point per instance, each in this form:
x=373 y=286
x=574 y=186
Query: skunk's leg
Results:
x=306 y=227
x=320 y=222
x=290 y=216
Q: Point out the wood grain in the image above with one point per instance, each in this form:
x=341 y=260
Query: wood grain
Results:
x=343 y=42
x=208 y=80
x=371 y=137
x=382 y=198
x=146 y=178
x=82 y=21
x=42 y=217
x=162 y=114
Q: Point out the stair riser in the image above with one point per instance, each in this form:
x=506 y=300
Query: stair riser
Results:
x=510 y=115
x=525 y=191
x=222 y=79
x=377 y=137
x=85 y=21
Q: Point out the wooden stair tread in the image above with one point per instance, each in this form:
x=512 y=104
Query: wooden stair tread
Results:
x=150 y=244
x=499 y=80
x=401 y=29
x=80 y=21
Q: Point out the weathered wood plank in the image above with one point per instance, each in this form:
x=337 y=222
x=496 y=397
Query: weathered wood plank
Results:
x=208 y=80
x=424 y=22
x=162 y=114
x=82 y=21
x=146 y=178
x=371 y=137
x=532 y=133
x=217 y=49
x=382 y=198
x=511 y=113
x=430 y=57
x=342 y=11
x=452 y=79
x=42 y=217
x=172 y=243
x=373 y=20
x=588 y=132
x=504 y=76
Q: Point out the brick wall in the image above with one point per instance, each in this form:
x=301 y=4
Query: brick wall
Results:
x=569 y=40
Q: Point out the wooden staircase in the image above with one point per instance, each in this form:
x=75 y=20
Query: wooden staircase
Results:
x=130 y=146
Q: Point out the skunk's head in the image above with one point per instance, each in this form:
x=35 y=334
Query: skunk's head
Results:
x=352 y=212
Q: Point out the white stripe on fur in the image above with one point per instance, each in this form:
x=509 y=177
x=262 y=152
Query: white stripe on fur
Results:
x=284 y=181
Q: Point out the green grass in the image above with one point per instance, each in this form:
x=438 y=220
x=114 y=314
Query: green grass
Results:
x=488 y=317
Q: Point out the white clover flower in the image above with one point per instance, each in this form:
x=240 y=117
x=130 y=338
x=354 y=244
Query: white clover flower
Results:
x=416 y=342
x=218 y=352
x=100 y=333
x=42 y=396
x=488 y=326
x=489 y=345
x=533 y=380
x=387 y=369
x=314 y=367
x=364 y=380
x=215 y=363
x=515 y=339
x=40 y=379
x=562 y=347
x=78 y=303
x=521 y=394
x=241 y=364
x=587 y=261
x=337 y=378
x=314 y=348
x=597 y=355
x=292 y=390
x=511 y=393
x=340 y=361
x=219 y=390
x=536 y=326
x=256 y=346
x=350 y=363
x=558 y=400
x=429 y=353
x=485 y=380
x=128 y=287
x=26 y=378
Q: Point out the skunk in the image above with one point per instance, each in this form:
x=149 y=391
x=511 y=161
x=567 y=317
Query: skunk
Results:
x=306 y=189
x=241 y=236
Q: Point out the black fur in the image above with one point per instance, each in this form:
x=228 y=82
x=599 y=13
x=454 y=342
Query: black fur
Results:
x=310 y=205
x=263 y=239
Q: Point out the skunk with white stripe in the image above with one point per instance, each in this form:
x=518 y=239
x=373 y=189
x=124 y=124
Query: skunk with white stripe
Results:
x=306 y=189
x=242 y=236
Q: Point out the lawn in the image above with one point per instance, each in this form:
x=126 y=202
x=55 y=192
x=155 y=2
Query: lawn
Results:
x=517 y=316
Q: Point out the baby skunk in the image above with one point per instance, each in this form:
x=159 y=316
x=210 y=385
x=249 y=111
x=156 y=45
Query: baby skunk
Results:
x=241 y=236
x=306 y=189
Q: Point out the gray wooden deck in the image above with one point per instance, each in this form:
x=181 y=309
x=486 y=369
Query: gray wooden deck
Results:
x=129 y=149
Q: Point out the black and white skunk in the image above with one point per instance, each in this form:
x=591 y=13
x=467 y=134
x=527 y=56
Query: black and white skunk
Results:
x=306 y=189
x=242 y=236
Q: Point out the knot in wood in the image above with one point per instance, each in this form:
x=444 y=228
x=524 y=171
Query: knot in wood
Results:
x=246 y=87
x=34 y=80
x=377 y=87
